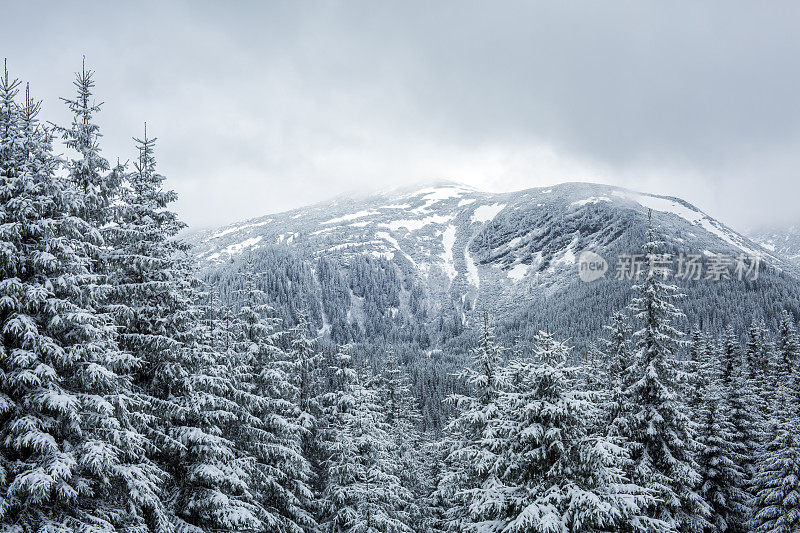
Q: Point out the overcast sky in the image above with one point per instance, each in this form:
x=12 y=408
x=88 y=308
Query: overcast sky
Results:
x=266 y=106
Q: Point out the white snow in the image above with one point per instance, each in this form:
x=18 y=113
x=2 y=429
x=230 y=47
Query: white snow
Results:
x=237 y=248
x=568 y=256
x=485 y=213
x=518 y=271
x=548 y=191
x=592 y=200
x=396 y=206
x=233 y=229
x=436 y=194
x=465 y=201
x=391 y=240
x=415 y=224
x=346 y=245
x=352 y=216
x=448 y=241
x=473 y=275
x=318 y=232
x=693 y=216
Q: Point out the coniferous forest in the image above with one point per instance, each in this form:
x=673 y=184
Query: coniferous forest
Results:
x=135 y=397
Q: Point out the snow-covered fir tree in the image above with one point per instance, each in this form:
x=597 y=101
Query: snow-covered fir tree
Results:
x=307 y=360
x=777 y=479
x=659 y=431
x=464 y=469
x=409 y=449
x=722 y=475
x=617 y=351
x=269 y=427
x=183 y=386
x=787 y=348
x=362 y=492
x=739 y=404
x=548 y=473
x=760 y=357
x=89 y=170
x=72 y=459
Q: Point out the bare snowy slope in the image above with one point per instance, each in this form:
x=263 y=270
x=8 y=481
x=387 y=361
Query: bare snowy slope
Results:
x=454 y=231
x=513 y=253
x=783 y=241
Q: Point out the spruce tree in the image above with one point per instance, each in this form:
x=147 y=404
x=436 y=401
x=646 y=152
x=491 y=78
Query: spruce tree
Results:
x=548 y=473
x=89 y=171
x=72 y=458
x=617 y=352
x=739 y=404
x=720 y=454
x=362 y=492
x=777 y=479
x=787 y=348
x=476 y=412
x=269 y=428
x=760 y=357
x=306 y=376
x=408 y=447
x=659 y=431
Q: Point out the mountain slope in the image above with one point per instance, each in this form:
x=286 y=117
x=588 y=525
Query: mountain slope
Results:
x=783 y=241
x=445 y=250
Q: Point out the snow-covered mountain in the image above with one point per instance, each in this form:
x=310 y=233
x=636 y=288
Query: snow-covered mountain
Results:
x=461 y=234
x=511 y=253
x=783 y=241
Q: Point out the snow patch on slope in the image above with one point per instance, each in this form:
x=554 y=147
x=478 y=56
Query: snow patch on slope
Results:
x=415 y=224
x=473 y=276
x=485 y=213
x=448 y=241
x=592 y=200
x=233 y=229
x=695 y=217
x=347 y=218
x=518 y=271
x=391 y=240
x=237 y=248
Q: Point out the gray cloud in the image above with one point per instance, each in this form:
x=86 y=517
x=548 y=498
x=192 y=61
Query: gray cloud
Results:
x=266 y=106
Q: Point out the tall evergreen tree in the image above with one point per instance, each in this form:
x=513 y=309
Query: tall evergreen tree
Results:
x=306 y=377
x=269 y=429
x=475 y=413
x=362 y=492
x=662 y=443
x=89 y=170
x=618 y=354
x=777 y=479
x=720 y=454
x=739 y=404
x=787 y=347
x=548 y=473
x=72 y=459
x=408 y=448
x=184 y=386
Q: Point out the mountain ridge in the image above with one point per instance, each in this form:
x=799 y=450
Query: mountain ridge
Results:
x=434 y=255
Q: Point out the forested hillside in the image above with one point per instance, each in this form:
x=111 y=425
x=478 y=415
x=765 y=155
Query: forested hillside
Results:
x=443 y=371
